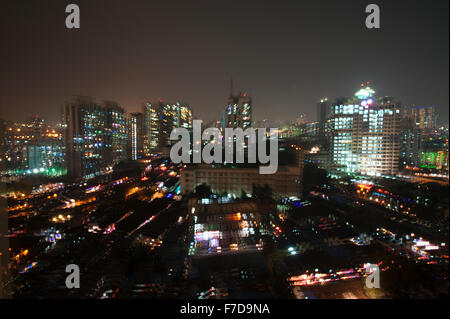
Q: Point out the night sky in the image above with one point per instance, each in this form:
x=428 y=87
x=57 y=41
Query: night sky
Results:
x=286 y=54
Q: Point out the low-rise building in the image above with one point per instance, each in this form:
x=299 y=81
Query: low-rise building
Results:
x=234 y=179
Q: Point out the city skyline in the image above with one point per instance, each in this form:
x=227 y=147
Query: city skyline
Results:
x=440 y=120
x=286 y=58
x=363 y=134
x=241 y=151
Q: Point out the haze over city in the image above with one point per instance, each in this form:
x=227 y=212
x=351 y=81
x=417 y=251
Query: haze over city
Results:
x=287 y=55
x=245 y=152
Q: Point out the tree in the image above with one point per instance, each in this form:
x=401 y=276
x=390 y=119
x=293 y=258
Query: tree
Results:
x=313 y=177
x=203 y=190
x=262 y=192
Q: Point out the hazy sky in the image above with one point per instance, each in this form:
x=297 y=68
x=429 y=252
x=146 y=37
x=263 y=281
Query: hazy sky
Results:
x=285 y=54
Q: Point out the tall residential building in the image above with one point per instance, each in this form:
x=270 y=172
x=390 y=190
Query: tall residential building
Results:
x=425 y=117
x=137 y=135
x=159 y=121
x=174 y=115
x=323 y=110
x=85 y=138
x=151 y=113
x=409 y=142
x=116 y=132
x=364 y=135
x=95 y=136
x=238 y=112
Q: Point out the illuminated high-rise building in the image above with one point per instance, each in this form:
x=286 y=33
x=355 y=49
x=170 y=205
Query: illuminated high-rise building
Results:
x=116 y=133
x=364 y=135
x=410 y=137
x=151 y=113
x=323 y=110
x=159 y=121
x=238 y=112
x=172 y=116
x=95 y=136
x=424 y=117
x=137 y=135
x=85 y=137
